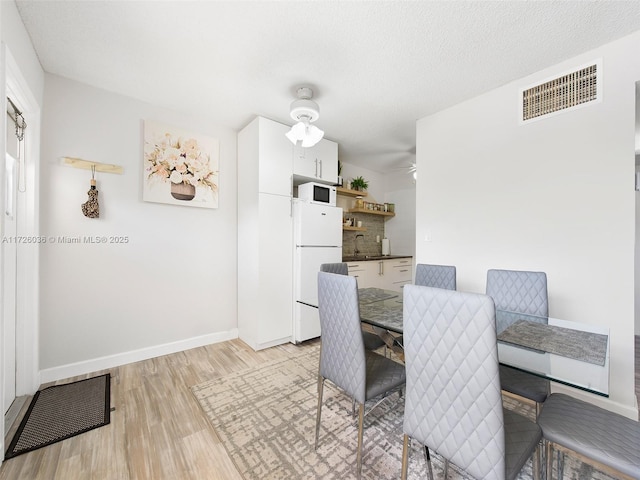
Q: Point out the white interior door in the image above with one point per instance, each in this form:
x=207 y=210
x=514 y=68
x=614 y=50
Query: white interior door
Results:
x=19 y=197
x=9 y=280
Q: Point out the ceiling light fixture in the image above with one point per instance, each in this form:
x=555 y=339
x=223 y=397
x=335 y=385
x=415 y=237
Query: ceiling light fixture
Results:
x=304 y=111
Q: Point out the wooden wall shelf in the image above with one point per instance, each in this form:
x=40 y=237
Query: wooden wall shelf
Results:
x=350 y=193
x=372 y=212
x=87 y=165
x=354 y=229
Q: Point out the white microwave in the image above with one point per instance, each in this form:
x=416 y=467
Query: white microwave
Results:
x=317 y=193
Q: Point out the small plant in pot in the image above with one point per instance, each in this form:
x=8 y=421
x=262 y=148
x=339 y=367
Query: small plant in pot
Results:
x=359 y=183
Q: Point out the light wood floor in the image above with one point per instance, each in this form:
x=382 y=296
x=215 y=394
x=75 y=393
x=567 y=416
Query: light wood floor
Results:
x=157 y=430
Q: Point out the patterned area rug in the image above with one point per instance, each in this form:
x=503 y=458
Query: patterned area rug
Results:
x=266 y=416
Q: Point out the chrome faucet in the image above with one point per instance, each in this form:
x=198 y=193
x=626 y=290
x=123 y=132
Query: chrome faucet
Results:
x=355 y=244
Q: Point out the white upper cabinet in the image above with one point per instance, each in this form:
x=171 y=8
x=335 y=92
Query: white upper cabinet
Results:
x=316 y=164
x=275 y=158
x=265 y=162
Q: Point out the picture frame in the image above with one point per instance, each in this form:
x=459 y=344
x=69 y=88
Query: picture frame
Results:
x=179 y=167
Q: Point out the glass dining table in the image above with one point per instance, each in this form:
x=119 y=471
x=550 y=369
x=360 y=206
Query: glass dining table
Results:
x=571 y=353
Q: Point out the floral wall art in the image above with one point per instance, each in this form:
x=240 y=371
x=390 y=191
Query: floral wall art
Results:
x=180 y=168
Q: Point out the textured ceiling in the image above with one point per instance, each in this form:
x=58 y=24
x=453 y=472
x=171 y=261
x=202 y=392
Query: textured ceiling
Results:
x=375 y=67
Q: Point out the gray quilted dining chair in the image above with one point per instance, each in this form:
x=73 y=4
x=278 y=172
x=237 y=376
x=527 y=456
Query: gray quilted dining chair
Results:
x=520 y=291
x=360 y=373
x=371 y=340
x=341 y=268
x=439 y=276
x=453 y=402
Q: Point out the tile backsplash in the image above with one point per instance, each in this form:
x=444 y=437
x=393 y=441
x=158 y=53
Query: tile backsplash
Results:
x=366 y=244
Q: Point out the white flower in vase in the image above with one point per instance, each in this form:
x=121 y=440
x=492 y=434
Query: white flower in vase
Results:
x=176 y=177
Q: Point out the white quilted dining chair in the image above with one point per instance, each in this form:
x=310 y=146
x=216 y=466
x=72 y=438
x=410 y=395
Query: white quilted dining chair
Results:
x=360 y=373
x=525 y=292
x=439 y=276
x=453 y=402
x=371 y=340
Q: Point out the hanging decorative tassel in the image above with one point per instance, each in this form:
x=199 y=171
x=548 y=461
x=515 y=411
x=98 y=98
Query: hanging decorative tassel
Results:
x=91 y=208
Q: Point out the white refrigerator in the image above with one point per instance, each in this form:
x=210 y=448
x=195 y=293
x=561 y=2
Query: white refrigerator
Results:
x=318 y=239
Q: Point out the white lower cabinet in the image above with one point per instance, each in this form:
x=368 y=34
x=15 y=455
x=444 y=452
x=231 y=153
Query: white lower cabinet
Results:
x=265 y=273
x=390 y=274
x=397 y=273
x=366 y=272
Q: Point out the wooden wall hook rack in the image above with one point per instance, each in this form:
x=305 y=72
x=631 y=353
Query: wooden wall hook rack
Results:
x=87 y=165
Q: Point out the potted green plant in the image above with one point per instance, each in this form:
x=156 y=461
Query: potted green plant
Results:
x=359 y=183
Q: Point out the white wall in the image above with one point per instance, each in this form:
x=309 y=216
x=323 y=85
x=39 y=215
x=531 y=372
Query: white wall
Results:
x=554 y=195
x=637 y=262
x=637 y=252
x=172 y=286
x=400 y=189
x=376 y=189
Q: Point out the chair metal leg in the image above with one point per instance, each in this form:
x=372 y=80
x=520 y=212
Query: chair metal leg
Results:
x=360 y=432
x=549 y=460
x=384 y=397
x=446 y=469
x=320 y=388
x=560 y=464
x=536 y=463
x=405 y=457
x=428 y=457
x=560 y=460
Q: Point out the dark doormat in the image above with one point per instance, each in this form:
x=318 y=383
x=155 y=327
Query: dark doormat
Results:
x=61 y=412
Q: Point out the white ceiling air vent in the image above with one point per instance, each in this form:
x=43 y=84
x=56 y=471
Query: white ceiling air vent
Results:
x=567 y=91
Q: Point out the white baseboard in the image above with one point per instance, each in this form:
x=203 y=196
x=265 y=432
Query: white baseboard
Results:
x=111 y=361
